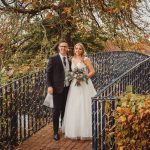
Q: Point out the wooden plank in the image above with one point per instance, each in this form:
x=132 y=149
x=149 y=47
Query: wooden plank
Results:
x=43 y=140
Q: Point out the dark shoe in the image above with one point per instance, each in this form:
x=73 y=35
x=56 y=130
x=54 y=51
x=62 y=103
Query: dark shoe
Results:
x=56 y=137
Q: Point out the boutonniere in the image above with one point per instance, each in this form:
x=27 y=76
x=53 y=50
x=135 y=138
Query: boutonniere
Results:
x=69 y=58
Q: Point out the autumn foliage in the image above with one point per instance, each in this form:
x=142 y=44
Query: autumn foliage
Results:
x=132 y=126
x=31 y=29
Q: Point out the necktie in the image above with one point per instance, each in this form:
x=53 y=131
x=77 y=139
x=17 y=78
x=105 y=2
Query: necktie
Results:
x=64 y=61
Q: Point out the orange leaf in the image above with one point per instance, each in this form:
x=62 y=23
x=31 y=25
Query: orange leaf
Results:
x=130 y=117
x=49 y=15
x=123 y=110
x=147 y=103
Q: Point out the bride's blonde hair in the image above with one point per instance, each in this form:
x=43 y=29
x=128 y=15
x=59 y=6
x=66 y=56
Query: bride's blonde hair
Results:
x=82 y=47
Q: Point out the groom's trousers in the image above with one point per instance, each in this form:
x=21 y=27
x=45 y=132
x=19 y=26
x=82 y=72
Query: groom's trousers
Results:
x=59 y=108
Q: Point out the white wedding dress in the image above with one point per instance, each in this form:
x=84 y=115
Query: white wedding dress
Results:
x=77 y=122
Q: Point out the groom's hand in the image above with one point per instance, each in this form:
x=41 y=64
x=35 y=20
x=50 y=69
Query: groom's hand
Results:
x=50 y=90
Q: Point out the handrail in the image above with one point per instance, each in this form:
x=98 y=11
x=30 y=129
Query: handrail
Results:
x=91 y=54
x=99 y=92
x=105 y=101
x=120 y=52
x=29 y=74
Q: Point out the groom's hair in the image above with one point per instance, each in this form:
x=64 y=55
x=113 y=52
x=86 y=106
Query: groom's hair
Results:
x=57 y=45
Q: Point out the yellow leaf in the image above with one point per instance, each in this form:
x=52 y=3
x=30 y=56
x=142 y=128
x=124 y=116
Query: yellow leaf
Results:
x=23 y=69
x=122 y=119
x=67 y=10
x=132 y=141
x=121 y=148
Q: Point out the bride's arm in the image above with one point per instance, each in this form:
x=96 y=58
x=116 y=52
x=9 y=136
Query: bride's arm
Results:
x=89 y=65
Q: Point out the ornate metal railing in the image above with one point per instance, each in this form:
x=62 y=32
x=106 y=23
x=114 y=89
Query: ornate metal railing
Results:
x=139 y=78
x=21 y=110
x=110 y=65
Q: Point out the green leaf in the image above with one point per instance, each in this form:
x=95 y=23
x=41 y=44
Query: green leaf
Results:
x=133 y=109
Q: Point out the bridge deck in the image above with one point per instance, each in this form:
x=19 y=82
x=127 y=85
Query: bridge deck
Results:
x=43 y=140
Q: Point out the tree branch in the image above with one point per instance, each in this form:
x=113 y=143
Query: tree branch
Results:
x=20 y=9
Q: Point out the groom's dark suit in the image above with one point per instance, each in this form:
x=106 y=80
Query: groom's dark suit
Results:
x=55 y=79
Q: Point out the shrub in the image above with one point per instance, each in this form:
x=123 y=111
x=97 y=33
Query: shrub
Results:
x=132 y=122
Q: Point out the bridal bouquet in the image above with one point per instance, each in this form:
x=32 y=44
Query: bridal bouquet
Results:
x=78 y=74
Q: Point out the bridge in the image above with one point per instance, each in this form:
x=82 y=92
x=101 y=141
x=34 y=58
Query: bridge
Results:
x=25 y=122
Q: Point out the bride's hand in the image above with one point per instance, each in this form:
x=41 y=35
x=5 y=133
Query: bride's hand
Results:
x=78 y=82
x=50 y=90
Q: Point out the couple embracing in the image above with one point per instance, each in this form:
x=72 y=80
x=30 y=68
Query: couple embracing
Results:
x=72 y=101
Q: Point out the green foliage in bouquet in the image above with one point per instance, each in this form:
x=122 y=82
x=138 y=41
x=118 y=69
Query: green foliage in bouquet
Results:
x=79 y=75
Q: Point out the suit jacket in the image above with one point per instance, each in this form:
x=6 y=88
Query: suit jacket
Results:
x=56 y=73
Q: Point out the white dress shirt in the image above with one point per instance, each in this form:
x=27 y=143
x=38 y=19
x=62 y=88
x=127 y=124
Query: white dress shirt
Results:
x=66 y=68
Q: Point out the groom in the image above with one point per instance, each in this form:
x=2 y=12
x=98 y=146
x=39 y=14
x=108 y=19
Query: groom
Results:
x=57 y=66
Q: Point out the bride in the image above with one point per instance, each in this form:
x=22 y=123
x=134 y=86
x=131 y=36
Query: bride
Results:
x=77 y=123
